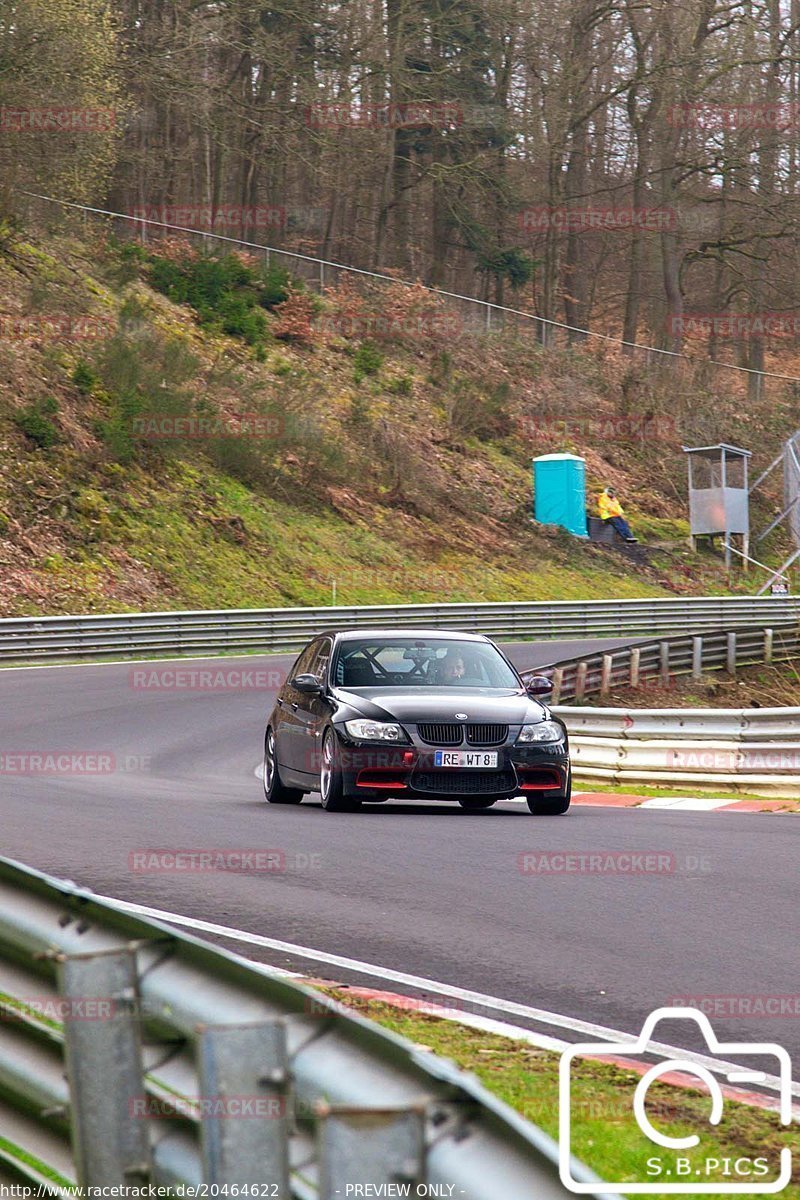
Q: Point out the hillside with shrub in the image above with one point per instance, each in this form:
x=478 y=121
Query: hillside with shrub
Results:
x=189 y=430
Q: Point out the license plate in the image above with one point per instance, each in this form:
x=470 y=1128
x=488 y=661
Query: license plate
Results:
x=465 y=758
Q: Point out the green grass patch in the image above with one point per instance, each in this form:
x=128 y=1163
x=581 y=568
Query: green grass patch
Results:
x=225 y=291
x=34 y=421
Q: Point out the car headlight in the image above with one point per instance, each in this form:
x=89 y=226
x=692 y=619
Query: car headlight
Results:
x=375 y=731
x=542 y=731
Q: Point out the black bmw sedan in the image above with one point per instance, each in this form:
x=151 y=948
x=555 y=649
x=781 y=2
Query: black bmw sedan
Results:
x=371 y=715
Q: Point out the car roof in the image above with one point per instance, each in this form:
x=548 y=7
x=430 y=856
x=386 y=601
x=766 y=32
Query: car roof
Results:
x=349 y=635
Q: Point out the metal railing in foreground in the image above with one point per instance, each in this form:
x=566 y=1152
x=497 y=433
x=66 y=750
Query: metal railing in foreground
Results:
x=130 y=1053
x=36 y=639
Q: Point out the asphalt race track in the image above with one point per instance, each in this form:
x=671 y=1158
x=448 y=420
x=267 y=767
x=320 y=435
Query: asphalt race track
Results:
x=422 y=888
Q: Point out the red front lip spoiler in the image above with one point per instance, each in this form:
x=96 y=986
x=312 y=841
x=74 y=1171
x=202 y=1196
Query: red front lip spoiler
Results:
x=538 y=779
x=386 y=778
x=531 y=779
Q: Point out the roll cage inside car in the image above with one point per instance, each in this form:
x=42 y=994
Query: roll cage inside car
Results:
x=419 y=670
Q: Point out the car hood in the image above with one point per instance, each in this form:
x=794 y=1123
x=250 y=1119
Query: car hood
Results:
x=505 y=707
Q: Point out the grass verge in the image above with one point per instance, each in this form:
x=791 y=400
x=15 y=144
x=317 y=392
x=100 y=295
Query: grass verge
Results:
x=588 y=785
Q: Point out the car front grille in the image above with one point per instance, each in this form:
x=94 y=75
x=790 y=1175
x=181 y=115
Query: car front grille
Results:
x=447 y=734
x=486 y=735
x=440 y=734
x=464 y=783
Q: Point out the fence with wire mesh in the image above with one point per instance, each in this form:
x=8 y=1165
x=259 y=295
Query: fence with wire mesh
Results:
x=689 y=371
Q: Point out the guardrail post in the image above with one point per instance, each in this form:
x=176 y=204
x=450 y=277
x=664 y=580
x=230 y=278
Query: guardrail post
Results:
x=769 y=636
x=243 y=1071
x=636 y=660
x=580 y=680
x=605 y=674
x=110 y=1135
x=558 y=681
x=663 y=657
x=381 y=1146
x=697 y=658
x=730 y=661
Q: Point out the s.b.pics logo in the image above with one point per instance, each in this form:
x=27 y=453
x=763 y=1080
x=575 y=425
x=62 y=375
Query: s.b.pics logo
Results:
x=666 y=1150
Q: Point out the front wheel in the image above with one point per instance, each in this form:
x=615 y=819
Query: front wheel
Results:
x=274 y=791
x=545 y=804
x=477 y=802
x=331 y=779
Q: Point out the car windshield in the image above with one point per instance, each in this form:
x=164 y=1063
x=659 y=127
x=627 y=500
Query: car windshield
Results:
x=421 y=662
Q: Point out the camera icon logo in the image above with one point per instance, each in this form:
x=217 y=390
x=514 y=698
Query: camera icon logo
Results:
x=685 y=1165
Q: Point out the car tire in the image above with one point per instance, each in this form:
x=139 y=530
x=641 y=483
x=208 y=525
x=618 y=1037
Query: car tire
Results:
x=275 y=791
x=545 y=804
x=331 y=779
x=477 y=802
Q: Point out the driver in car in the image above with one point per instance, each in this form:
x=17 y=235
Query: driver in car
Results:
x=451 y=668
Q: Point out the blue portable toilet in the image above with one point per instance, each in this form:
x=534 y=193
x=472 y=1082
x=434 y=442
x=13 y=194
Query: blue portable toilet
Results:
x=559 y=492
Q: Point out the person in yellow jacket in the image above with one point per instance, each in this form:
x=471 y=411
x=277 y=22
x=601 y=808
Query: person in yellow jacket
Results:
x=611 y=512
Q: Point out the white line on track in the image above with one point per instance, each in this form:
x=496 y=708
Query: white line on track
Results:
x=480 y=999
x=687 y=803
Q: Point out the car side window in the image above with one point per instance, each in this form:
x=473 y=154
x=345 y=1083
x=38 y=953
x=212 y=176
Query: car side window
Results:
x=319 y=663
x=303 y=664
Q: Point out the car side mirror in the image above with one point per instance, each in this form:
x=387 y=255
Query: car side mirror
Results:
x=539 y=685
x=306 y=683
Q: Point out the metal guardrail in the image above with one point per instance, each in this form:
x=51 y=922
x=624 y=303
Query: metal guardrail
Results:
x=756 y=728
x=163 y=1041
x=644 y=664
x=753 y=750
x=35 y=639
